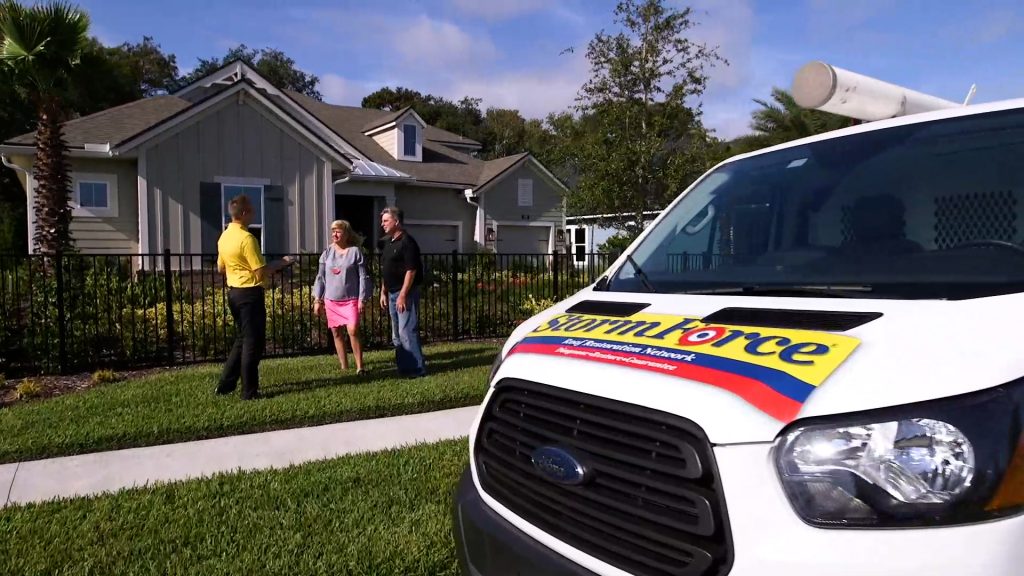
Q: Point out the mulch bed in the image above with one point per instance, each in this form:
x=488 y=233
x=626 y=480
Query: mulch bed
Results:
x=53 y=386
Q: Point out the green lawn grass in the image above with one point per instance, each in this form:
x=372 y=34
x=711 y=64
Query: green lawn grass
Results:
x=384 y=514
x=180 y=405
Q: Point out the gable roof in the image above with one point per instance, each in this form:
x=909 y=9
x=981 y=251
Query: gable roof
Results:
x=386 y=119
x=114 y=125
x=432 y=133
x=495 y=168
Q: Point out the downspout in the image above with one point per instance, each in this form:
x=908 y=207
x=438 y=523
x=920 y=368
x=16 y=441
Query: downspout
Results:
x=28 y=196
x=477 y=235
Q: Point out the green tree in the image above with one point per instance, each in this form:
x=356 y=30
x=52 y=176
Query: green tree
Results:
x=782 y=120
x=145 y=67
x=271 y=63
x=394 y=99
x=617 y=243
x=106 y=77
x=642 y=141
x=463 y=117
x=41 y=46
x=503 y=132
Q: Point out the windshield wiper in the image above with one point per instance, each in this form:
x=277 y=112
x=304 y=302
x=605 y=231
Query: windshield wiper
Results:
x=640 y=274
x=839 y=291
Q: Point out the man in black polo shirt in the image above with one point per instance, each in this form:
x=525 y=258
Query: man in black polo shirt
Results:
x=402 y=271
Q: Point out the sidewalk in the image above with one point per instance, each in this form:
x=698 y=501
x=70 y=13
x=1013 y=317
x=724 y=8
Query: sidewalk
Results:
x=89 y=474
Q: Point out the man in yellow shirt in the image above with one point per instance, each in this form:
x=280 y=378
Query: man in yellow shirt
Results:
x=240 y=259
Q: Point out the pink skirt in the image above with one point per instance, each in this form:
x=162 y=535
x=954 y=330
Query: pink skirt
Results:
x=342 y=313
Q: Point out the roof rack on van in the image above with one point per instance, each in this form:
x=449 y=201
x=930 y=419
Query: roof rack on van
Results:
x=825 y=87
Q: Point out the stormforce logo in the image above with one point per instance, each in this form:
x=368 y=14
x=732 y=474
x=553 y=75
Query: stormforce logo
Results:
x=691 y=333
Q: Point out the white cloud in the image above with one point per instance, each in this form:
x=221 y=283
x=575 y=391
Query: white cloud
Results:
x=338 y=90
x=496 y=10
x=849 y=25
x=986 y=28
x=534 y=93
x=440 y=46
x=728 y=27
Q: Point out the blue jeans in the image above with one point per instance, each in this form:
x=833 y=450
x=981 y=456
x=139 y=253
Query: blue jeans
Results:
x=405 y=334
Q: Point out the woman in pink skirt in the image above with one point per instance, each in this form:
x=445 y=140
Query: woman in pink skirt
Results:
x=341 y=290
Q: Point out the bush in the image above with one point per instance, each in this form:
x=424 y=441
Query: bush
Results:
x=111 y=315
x=104 y=377
x=28 y=389
x=618 y=243
x=533 y=306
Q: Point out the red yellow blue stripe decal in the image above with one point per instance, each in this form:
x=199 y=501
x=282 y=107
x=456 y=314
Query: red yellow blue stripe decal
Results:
x=774 y=370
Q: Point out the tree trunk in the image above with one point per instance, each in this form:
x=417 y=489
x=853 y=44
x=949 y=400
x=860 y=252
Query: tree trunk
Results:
x=53 y=181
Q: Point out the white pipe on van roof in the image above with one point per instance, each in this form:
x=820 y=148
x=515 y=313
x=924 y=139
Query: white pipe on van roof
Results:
x=825 y=87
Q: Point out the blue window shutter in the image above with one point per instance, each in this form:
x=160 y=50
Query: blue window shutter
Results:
x=275 y=221
x=210 y=216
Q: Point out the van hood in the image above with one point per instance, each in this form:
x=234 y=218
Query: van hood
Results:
x=742 y=380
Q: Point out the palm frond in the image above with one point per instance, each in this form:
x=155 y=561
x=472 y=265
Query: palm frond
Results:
x=47 y=38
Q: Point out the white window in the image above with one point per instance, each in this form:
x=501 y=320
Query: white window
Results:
x=94 y=195
x=525 y=192
x=255 y=194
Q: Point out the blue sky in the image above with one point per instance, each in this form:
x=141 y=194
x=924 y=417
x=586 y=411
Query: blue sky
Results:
x=511 y=52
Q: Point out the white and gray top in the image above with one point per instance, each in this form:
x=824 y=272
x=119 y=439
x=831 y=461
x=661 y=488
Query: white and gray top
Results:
x=342 y=276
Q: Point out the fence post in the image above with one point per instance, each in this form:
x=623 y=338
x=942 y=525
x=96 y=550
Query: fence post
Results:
x=62 y=322
x=554 y=276
x=455 y=294
x=169 y=305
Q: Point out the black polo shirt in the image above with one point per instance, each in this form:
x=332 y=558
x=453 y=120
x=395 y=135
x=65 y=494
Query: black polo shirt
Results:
x=398 y=256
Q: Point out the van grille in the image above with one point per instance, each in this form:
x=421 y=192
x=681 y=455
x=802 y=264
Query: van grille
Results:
x=654 y=505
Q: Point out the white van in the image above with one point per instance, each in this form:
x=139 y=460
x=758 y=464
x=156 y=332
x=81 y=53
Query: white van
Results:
x=811 y=363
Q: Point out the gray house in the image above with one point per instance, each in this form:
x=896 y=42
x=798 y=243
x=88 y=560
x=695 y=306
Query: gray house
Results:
x=156 y=174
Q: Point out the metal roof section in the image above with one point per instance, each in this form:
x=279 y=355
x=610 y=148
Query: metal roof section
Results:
x=368 y=169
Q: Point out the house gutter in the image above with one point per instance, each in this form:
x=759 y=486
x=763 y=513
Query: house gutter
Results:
x=28 y=196
x=478 y=224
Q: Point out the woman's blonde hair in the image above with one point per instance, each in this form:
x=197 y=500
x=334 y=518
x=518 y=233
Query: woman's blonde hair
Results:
x=352 y=238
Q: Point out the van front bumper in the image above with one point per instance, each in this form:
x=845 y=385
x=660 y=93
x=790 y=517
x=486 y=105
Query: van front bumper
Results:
x=768 y=538
x=488 y=545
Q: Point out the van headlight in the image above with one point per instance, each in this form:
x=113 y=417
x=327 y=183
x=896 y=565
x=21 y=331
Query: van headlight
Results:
x=944 y=462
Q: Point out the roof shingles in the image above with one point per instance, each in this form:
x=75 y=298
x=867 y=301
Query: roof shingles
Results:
x=114 y=125
x=440 y=164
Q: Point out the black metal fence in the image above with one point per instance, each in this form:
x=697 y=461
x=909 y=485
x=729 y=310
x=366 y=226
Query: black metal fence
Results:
x=69 y=313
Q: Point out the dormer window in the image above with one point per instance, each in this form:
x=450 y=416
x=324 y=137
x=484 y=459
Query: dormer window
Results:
x=400 y=133
x=409 y=144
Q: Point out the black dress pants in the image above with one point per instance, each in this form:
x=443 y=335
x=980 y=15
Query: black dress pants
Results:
x=248 y=308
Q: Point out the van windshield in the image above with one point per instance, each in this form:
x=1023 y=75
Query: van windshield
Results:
x=925 y=211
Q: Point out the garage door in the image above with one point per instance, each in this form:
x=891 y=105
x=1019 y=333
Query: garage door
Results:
x=435 y=238
x=523 y=239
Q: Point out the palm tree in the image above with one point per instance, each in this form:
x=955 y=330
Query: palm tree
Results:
x=41 y=45
x=785 y=120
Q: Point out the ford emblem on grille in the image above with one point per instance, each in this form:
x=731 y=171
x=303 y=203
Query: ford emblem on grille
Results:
x=559 y=465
